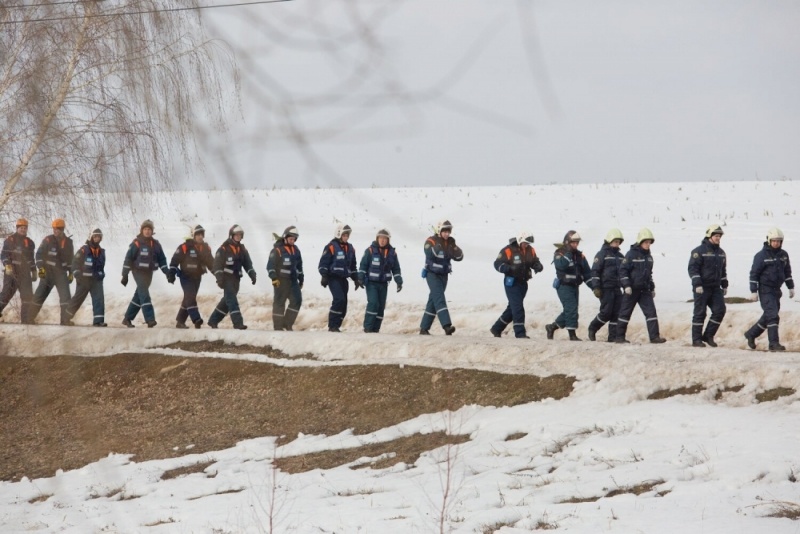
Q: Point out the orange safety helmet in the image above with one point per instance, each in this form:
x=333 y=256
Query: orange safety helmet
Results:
x=59 y=223
x=22 y=222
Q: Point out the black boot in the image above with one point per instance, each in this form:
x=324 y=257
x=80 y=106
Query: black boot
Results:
x=591 y=334
x=751 y=341
x=449 y=329
x=424 y=332
x=550 y=328
x=572 y=336
x=709 y=340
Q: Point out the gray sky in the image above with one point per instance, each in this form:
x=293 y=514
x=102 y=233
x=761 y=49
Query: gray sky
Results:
x=464 y=92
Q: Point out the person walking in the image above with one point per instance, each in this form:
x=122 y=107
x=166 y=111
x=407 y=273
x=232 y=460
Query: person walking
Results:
x=637 y=280
x=440 y=251
x=285 y=269
x=231 y=258
x=572 y=270
x=606 y=284
x=88 y=269
x=770 y=271
x=144 y=256
x=19 y=270
x=378 y=266
x=515 y=261
x=54 y=262
x=336 y=265
x=191 y=260
x=709 y=274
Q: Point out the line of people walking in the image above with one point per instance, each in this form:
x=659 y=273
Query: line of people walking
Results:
x=620 y=281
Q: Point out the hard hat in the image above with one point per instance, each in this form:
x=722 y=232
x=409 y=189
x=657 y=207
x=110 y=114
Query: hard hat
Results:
x=613 y=234
x=385 y=233
x=644 y=235
x=291 y=231
x=22 y=222
x=443 y=225
x=715 y=228
x=341 y=229
x=198 y=230
x=236 y=229
x=96 y=231
x=59 y=223
x=571 y=237
x=774 y=234
x=524 y=236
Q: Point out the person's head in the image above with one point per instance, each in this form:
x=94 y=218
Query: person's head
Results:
x=22 y=227
x=96 y=236
x=290 y=235
x=775 y=237
x=236 y=233
x=714 y=233
x=58 y=227
x=525 y=239
x=444 y=228
x=614 y=238
x=645 y=238
x=342 y=232
x=383 y=237
x=147 y=228
x=199 y=234
x=572 y=239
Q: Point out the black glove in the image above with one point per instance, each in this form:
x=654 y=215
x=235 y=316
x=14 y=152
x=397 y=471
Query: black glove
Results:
x=324 y=281
x=253 y=278
x=220 y=283
x=171 y=276
x=537 y=266
x=124 y=279
x=399 y=287
x=357 y=284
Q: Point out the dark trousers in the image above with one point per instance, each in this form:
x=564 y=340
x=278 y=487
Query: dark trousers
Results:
x=376 y=304
x=437 y=303
x=54 y=278
x=141 y=298
x=568 y=295
x=515 y=311
x=644 y=298
x=339 y=287
x=713 y=298
x=610 y=304
x=84 y=287
x=283 y=316
x=229 y=303
x=23 y=283
x=190 y=286
x=770 y=299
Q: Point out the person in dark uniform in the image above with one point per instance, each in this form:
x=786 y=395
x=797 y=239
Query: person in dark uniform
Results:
x=440 y=251
x=378 y=266
x=285 y=269
x=88 y=269
x=515 y=261
x=605 y=281
x=231 y=258
x=771 y=269
x=19 y=270
x=336 y=265
x=639 y=288
x=709 y=274
x=54 y=263
x=572 y=270
x=191 y=260
x=144 y=256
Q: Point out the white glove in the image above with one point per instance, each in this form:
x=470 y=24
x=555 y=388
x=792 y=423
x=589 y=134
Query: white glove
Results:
x=791 y=293
x=724 y=291
x=628 y=291
x=753 y=297
x=699 y=290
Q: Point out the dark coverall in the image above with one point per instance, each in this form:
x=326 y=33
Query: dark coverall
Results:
x=337 y=264
x=771 y=269
x=605 y=275
x=285 y=264
x=377 y=268
x=708 y=269
x=18 y=252
x=144 y=256
x=438 y=257
x=637 y=273
x=189 y=263
x=572 y=270
x=54 y=255
x=516 y=264
x=88 y=268
x=230 y=259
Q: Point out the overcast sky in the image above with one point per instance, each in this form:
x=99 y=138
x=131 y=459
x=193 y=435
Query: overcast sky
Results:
x=446 y=92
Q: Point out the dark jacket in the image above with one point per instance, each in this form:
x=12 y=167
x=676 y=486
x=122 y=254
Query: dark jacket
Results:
x=637 y=269
x=572 y=269
x=89 y=263
x=144 y=254
x=440 y=253
x=18 y=251
x=771 y=269
x=192 y=259
x=338 y=259
x=606 y=267
x=55 y=254
x=231 y=258
x=514 y=261
x=285 y=262
x=378 y=265
x=708 y=266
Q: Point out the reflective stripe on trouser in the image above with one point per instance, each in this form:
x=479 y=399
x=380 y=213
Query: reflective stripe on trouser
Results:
x=610 y=304
x=568 y=295
x=770 y=300
x=338 y=287
x=94 y=288
x=437 y=303
x=284 y=316
x=644 y=299
x=141 y=298
x=515 y=311
x=57 y=279
x=713 y=298
x=376 y=304
x=190 y=286
x=229 y=303
x=25 y=286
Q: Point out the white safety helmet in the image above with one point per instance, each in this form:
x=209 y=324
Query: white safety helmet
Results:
x=341 y=229
x=525 y=236
x=614 y=233
x=644 y=235
x=713 y=229
x=385 y=233
x=236 y=229
x=774 y=234
x=443 y=225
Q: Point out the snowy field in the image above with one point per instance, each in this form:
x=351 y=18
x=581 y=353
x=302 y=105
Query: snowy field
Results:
x=717 y=461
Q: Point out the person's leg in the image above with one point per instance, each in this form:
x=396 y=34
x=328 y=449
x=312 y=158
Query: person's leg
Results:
x=718 y=309
x=338 y=287
x=81 y=291
x=295 y=301
x=516 y=294
x=279 y=296
x=98 y=302
x=382 y=291
x=143 y=280
x=371 y=313
x=62 y=286
x=701 y=301
x=648 y=306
